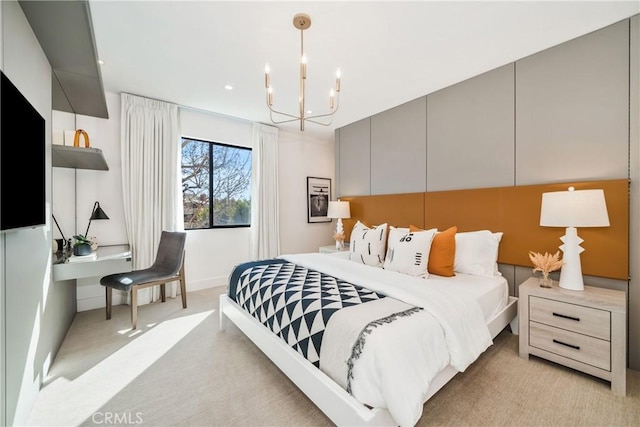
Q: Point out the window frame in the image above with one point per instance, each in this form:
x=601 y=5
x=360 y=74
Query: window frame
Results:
x=211 y=199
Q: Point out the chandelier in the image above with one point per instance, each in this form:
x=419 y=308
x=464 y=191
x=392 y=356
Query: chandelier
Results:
x=302 y=21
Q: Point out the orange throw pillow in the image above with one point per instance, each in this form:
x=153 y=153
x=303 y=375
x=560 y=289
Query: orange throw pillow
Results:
x=443 y=252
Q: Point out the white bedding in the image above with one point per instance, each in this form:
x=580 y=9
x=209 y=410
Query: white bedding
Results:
x=492 y=293
x=399 y=360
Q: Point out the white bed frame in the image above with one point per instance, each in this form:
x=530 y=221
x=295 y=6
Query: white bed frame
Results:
x=342 y=408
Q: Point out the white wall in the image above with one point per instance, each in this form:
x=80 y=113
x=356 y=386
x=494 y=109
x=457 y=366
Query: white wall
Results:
x=37 y=312
x=300 y=156
x=212 y=253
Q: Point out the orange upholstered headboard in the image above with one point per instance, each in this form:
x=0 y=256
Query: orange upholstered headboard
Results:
x=515 y=211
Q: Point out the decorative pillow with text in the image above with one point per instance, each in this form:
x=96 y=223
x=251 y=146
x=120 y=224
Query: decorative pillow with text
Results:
x=408 y=252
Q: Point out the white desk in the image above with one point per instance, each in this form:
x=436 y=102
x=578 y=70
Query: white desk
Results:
x=110 y=259
x=87 y=274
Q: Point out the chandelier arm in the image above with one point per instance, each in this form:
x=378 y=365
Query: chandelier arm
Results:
x=319 y=123
x=283 y=114
x=277 y=122
x=323 y=115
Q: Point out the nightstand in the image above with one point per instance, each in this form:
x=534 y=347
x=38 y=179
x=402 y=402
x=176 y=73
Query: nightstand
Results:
x=332 y=248
x=583 y=330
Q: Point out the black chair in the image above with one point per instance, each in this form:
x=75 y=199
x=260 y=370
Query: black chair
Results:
x=168 y=267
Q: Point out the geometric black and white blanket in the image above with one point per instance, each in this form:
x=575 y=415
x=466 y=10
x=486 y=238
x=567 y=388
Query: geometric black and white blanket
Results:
x=293 y=301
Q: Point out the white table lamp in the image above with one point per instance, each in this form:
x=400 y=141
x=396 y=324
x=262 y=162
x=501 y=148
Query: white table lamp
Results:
x=339 y=210
x=572 y=209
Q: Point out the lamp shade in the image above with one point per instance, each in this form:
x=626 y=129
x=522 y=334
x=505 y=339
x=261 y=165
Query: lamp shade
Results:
x=582 y=208
x=339 y=210
x=98 y=213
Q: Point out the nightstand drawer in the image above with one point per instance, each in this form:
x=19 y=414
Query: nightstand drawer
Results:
x=577 y=318
x=589 y=350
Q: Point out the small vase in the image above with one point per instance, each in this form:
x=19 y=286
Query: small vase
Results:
x=545 y=281
x=81 y=250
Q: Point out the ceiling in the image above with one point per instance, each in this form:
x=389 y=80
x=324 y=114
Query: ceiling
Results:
x=389 y=53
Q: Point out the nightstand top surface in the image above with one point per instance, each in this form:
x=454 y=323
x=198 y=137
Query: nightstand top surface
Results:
x=610 y=299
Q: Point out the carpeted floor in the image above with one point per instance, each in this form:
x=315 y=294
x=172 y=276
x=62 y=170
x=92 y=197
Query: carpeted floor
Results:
x=178 y=369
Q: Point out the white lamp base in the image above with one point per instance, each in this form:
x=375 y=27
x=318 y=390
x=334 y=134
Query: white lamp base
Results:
x=571 y=271
x=339 y=229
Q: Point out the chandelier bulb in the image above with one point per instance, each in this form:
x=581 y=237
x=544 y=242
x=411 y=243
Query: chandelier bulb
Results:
x=267 y=79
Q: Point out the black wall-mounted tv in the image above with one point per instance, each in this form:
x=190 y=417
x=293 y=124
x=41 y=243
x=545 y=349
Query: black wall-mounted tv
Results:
x=22 y=161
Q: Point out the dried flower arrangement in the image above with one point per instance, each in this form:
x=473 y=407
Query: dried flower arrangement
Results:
x=545 y=264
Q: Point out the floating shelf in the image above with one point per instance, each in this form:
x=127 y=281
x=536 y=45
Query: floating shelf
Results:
x=65 y=156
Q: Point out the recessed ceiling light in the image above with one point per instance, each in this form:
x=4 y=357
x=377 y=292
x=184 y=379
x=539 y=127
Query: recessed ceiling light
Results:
x=228 y=87
x=309 y=111
x=101 y=62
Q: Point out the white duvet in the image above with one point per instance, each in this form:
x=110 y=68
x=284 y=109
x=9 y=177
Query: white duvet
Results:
x=399 y=359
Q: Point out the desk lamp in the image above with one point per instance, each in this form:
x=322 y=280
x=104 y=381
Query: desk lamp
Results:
x=96 y=213
x=572 y=209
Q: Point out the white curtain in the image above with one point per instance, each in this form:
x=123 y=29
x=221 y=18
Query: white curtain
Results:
x=151 y=175
x=265 y=217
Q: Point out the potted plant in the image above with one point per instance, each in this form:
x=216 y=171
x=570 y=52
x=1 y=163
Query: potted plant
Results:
x=82 y=245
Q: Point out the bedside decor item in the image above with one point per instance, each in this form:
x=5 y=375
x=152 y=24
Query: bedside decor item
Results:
x=302 y=21
x=76 y=138
x=318 y=196
x=81 y=245
x=572 y=209
x=545 y=264
x=339 y=210
x=96 y=213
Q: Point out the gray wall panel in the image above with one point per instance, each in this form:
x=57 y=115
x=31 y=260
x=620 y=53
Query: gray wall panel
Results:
x=336 y=151
x=634 y=212
x=470 y=133
x=354 y=168
x=398 y=150
x=572 y=109
x=574 y=115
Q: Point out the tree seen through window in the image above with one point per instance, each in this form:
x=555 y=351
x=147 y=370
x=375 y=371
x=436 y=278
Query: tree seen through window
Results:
x=216 y=184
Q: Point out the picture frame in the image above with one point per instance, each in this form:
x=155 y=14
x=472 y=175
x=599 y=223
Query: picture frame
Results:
x=318 y=197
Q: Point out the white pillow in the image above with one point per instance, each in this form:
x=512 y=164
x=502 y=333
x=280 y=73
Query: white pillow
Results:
x=408 y=252
x=367 y=245
x=477 y=253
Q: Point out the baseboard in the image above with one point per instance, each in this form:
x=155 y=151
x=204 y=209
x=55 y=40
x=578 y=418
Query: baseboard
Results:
x=212 y=282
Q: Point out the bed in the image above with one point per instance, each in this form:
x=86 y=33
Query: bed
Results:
x=422 y=331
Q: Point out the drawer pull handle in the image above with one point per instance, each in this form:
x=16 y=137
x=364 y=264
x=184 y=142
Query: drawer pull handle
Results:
x=576 y=347
x=564 y=316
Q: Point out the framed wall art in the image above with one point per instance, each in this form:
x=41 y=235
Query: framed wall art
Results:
x=318 y=196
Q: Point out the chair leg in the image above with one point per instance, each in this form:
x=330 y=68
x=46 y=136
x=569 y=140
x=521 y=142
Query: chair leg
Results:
x=163 y=292
x=134 y=307
x=109 y=294
x=183 y=287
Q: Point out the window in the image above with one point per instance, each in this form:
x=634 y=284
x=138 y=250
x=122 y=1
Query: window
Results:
x=216 y=185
